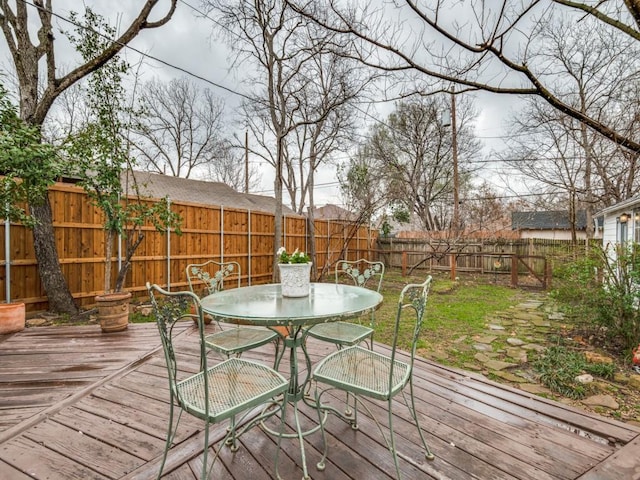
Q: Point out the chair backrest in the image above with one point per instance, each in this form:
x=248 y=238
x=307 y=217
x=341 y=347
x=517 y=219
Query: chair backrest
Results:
x=411 y=305
x=213 y=275
x=362 y=273
x=170 y=308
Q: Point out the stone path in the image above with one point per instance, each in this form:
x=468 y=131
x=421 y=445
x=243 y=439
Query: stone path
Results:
x=511 y=336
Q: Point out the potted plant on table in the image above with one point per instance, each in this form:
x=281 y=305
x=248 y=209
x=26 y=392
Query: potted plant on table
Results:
x=295 y=271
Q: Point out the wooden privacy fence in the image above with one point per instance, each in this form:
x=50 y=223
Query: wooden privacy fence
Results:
x=208 y=232
x=527 y=261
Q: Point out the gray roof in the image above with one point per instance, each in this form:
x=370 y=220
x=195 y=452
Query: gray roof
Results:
x=156 y=185
x=333 y=212
x=550 y=220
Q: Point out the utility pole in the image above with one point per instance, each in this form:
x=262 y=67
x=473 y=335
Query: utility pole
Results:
x=246 y=161
x=454 y=154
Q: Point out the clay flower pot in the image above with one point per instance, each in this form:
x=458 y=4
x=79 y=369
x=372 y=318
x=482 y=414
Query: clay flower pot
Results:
x=113 y=311
x=12 y=317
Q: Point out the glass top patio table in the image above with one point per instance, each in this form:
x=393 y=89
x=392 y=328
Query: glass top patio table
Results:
x=264 y=304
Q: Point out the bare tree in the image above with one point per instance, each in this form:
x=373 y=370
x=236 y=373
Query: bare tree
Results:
x=413 y=150
x=299 y=90
x=479 y=45
x=561 y=153
x=179 y=129
x=28 y=32
x=230 y=168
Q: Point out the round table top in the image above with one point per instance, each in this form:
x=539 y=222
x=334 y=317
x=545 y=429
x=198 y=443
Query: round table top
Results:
x=264 y=304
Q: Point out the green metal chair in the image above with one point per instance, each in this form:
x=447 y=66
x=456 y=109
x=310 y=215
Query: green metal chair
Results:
x=208 y=278
x=214 y=394
x=365 y=373
x=362 y=273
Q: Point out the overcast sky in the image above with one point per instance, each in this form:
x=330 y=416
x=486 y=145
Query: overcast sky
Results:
x=185 y=47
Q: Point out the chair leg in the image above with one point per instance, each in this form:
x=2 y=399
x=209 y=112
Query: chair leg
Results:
x=204 y=474
x=428 y=455
x=283 y=414
x=321 y=464
x=392 y=440
x=169 y=438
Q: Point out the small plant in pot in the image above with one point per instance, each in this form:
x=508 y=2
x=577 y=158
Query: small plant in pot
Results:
x=295 y=271
x=99 y=156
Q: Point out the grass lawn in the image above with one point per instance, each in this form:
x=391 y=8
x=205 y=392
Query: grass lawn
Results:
x=454 y=309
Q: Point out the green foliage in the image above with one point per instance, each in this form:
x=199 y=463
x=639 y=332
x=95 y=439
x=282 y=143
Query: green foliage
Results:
x=385 y=228
x=28 y=166
x=99 y=151
x=558 y=368
x=295 y=257
x=603 y=289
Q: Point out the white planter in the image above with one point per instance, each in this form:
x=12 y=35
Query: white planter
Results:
x=295 y=279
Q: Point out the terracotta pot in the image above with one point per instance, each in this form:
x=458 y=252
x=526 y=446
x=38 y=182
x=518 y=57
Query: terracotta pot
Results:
x=12 y=317
x=113 y=311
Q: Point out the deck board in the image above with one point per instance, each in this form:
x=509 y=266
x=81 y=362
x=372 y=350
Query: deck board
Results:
x=76 y=403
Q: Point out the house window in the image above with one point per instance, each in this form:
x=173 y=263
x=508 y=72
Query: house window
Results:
x=623 y=230
x=636 y=226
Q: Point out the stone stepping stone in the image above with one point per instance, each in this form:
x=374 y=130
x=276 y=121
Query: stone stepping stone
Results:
x=498 y=365
x=530 y=305
x=534 y=346
x=606 y=401
x=460 y=339
x=481 y=357
x=556 y=316
x=510 y=377
x=541 y=323
x=517 y=354
x=515 y=342
x=493 y=326
x=472 y=366
x=529 y=317
x=482 y=347
x=485 y=339
x=535 y=388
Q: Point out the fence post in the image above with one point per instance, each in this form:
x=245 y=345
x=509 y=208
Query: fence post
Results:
x=7 y=260
x=168 y=249
x=548 y=274
x=404 y=263
x=452 y=261
x=514 y=270
x=249 y=246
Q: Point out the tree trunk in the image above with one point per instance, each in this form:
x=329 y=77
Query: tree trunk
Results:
x=44 y=243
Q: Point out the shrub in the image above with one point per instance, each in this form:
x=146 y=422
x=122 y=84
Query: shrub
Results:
x=603 y=289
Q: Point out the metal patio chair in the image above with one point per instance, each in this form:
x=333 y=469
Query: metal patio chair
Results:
x=363 y=372
x=230 y=340
x=233 y=387
x=362 y=273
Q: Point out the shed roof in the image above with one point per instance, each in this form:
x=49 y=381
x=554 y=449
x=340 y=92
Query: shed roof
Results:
x=156 y=185
x=549 y=220
x=333 y=212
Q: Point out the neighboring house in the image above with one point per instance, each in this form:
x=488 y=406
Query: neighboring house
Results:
x=549 y=225
x=156 y=185
x=621 y=222
x=333 y=212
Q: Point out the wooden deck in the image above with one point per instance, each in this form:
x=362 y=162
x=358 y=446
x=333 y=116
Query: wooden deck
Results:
x=79 y=404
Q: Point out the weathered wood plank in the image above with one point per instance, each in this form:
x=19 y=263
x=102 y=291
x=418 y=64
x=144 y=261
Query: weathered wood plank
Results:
x=477 y=429
x=623 y=464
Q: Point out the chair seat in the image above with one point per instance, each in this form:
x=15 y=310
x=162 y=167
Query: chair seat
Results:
x=234 y=385
x=341 y=333
x=237 y=340
x=363 y=372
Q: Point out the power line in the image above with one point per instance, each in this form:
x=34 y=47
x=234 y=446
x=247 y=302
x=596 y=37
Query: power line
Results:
x=139 y=52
